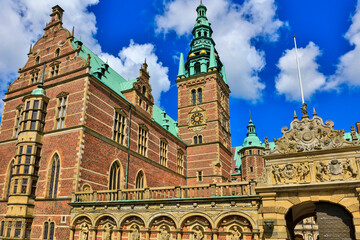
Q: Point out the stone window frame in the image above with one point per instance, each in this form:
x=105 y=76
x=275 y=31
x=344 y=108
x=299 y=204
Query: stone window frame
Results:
x=198 y=139
x=2 y=228
x=34 y=76
x=180 y=162
x=143 y=139
x=196 y=95
x=140 y=176
x=9 y=174
x=55 y=69
x=163 y=152
x=61 y=108
x=37 y=60
x=120 y=122
x=18 y=117
x=116 y=176
x=57 y=52
x=48 y=227
x=54 y=171
x=37 y=121
x=200 y=176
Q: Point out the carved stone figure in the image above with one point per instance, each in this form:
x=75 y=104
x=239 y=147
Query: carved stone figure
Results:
x=135 y=234
x=304 y=110
x=278 y=175
x=302 y=171
x=235 y=234
x=267 y=145
x=84 y=233
x=198 y=234
x=349 y=167
x=164 y=234
x=321 y=171
x=107 y=232
x=335 y=167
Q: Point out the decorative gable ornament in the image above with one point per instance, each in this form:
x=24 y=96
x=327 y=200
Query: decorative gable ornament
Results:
x=309 y=135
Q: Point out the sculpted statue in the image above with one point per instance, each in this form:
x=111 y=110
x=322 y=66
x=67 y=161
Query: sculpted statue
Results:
x=278 y=175
x=198 y=234
x=235 y=234
x=135 y=234
x=164 y=234
x=302 y=171
x=84 y=233
x=107 y=232
x=349 y=167
x=321 y=171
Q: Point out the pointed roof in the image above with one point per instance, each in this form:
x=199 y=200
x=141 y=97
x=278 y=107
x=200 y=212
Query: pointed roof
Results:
x=251 y=140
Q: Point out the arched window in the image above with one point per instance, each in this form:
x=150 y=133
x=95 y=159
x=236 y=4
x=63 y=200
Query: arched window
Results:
x=200 y=95
x=57 y=52
x=195 y=140
x=37 y=60
x=49 y=230
x=144 y=90
x=54 y=176
x=197 y=68
x=200 y=139
x=115 y=176
x=193 y=96
x=140 y=180
x=10 y=174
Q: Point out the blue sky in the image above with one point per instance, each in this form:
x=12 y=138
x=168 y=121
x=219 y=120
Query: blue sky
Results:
x=254 y=41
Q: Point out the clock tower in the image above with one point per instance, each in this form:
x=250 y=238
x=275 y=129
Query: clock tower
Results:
x=203 y=107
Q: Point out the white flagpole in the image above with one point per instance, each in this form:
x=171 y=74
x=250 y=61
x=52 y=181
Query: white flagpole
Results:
x=298 y=66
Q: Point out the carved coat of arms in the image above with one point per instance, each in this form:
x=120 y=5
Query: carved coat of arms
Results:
x=289 y=171
x=336 y=167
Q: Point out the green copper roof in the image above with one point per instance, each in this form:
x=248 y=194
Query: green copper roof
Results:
x=348 y=137
x=181 y=66
x=104 y=73
x=164 y=120
x=251 y=139
x=38 y=91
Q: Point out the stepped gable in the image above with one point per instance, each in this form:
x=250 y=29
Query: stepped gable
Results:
x=307 y=135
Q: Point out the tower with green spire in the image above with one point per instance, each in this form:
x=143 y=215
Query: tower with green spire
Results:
x=203 y=107
x=202 y=56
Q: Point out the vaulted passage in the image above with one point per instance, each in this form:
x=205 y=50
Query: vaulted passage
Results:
x=334 y=221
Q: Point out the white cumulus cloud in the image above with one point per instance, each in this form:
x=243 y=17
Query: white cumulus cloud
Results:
x=128 y=63
x=236 y=27
x=348 y=70
x=287 y=82
x=22 y=23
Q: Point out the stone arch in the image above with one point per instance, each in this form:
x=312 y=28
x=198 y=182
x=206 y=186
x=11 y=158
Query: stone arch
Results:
x=133 y=227
x=163 y=227
x=333 y=218
x=116 y=175
x=234 y=227
x=144 y=183
x=105 y=226
x=196 y=226
x=9 y=173
x=155 y=217
x=241 y=214
x=81 y=226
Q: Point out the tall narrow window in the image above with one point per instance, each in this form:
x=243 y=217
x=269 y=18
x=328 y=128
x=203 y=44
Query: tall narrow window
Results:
x=54 y=176
x=17 y=120
x=37 y=60
x=49 y=230
x=195 y=140
x=9 y=227
x=61 y=110
x=24 y=185
x=197 y=68
x=140 y=180
x=115 y=176
x=199 y=95
x=163 y=152
x=10 y=170
x=193 y=96
x=2 y=228
x=180 y=162
x=15 y=186
x=142 y=141
x=17 y=229
x=119 y=127
x=57 y=52
x=200 y=176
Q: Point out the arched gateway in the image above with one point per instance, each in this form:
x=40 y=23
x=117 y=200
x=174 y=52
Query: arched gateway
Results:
x=312 y=172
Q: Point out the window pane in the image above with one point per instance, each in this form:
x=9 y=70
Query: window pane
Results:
x=52 y=230
x=29 y=150
x=2 y=228
x=36 y=104
x=46 y=230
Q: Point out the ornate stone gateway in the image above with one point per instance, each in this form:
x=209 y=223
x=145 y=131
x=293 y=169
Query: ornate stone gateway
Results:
x=334 y=222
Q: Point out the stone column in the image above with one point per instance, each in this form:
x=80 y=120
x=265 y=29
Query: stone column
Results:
x=312 y=171
x=72 y=231
x=147 y=233
x=215 y=234
x=93 y=233
x=179 y=232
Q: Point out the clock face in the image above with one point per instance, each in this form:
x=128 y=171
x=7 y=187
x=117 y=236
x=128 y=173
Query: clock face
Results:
x=197 y=118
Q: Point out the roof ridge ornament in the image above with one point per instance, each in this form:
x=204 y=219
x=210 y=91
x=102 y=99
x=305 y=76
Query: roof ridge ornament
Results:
x=304 y=111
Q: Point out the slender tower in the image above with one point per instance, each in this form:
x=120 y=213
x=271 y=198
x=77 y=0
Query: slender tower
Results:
x=203 y=107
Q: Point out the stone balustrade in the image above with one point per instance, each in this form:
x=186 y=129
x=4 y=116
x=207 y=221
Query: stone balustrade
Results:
x=244 y=188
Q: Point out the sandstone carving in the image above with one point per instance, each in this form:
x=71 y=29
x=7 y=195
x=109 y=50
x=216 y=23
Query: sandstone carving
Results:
x=235 y=234
x=308 y=135
x=84 y=233
x=321 y=171
x=303 y=171
x=350 y=168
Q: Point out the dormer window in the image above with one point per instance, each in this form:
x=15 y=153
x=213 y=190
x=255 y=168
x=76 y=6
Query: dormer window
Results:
x=57 y=52
x=144 y=90
x=54 y=69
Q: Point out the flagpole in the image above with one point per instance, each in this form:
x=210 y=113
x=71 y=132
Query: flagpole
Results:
x=298 y=66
